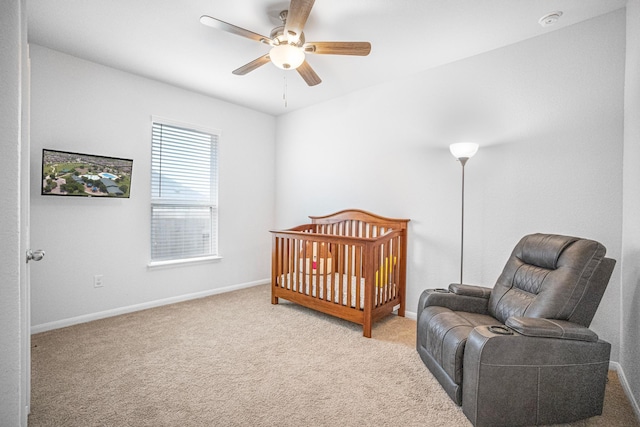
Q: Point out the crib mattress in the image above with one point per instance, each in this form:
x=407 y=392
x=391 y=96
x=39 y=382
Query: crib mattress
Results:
x=309 y=287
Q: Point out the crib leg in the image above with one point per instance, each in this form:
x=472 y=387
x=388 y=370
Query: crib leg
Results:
x=274 y=299
x=366 y=329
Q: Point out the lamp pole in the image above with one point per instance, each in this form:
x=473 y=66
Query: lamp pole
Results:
x=463 y=151
x=463 y=161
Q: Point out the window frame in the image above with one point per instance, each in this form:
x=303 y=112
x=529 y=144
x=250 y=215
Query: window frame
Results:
x=213 y=203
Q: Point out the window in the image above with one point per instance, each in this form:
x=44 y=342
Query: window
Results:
x=184 y=192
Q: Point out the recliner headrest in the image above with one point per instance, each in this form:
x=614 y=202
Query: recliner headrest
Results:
x=544 y=250
x=552 y=277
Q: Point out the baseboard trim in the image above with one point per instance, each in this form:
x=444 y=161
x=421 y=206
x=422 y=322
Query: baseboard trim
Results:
x=615 y=366
x=44 y=327
x=411 y=315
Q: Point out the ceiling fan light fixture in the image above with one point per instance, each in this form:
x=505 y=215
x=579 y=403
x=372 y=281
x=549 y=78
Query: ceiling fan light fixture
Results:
x=286 y=56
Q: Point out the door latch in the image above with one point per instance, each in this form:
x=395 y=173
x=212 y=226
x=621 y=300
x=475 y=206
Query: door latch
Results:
x=36 y=255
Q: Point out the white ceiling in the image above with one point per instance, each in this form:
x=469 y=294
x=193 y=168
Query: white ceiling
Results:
x=164 y=40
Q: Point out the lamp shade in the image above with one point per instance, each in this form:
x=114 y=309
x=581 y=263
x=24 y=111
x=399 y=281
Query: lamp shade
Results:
x=286 y=56
x=463 y=150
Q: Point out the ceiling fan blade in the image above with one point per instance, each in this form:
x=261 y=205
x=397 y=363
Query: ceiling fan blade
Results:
x=308 y=74
x=230 y=28
x=299 y=11
x=252 y=65
x=338 y=48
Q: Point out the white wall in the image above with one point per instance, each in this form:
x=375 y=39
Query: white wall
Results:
x=85 y=107
x=630 y=295
x=548 y=115
x=12 y=370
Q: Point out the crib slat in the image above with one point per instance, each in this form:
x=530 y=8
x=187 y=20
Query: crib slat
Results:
x=283 y=249
x=303 y=277
x=339 y=259
x=342 y=249
x=289 y=266
x=328 y=283
x=396 y=271
x=280 y=269
x=347 y=274
x=358 y=263
x=285 y=262
x=294 y=270
x=319 y=291
x=386 y=265
x=382 y=275
x=388 y=273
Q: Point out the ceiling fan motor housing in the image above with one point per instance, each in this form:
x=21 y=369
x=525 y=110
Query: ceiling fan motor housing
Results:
x=279 y=36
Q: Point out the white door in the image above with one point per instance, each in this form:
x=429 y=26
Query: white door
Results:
x=25 y=288
x=25 y=238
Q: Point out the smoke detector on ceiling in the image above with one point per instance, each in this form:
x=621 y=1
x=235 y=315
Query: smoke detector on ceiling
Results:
x=550 y=18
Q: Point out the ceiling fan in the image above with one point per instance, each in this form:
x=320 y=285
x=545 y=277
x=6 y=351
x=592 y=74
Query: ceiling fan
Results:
x=288 y=45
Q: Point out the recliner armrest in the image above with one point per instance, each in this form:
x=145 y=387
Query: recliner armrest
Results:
x=548 y=328
x=454 y=302
x=470 y=290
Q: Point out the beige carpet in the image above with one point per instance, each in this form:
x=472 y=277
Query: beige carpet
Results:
x=236 y=360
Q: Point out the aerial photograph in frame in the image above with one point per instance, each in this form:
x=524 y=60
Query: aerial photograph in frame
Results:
x=75 y=174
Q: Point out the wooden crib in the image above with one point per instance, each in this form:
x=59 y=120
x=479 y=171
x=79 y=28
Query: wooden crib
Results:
x=351 y=264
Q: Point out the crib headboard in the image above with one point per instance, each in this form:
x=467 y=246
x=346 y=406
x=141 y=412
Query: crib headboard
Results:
x=359 y=223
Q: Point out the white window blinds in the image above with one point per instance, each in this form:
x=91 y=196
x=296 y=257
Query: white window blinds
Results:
x=184 y=183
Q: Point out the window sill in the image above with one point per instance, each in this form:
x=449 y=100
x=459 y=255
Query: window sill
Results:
x=181 y=262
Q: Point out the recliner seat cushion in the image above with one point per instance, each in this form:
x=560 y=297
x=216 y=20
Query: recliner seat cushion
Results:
x=443 y=334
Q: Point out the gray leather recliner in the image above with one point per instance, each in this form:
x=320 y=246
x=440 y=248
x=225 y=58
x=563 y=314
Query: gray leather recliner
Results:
x=521 y=353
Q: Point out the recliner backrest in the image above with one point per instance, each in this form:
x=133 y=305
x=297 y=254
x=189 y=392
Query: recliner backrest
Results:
x=554 y=277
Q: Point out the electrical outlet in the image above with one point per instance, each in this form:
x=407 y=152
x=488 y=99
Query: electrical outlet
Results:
x=97 y=281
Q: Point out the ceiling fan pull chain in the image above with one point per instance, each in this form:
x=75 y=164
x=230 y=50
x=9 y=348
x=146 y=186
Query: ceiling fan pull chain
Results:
x=284 y=91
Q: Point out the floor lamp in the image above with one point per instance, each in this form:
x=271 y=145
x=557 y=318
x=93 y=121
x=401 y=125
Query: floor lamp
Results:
x=463 y=151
